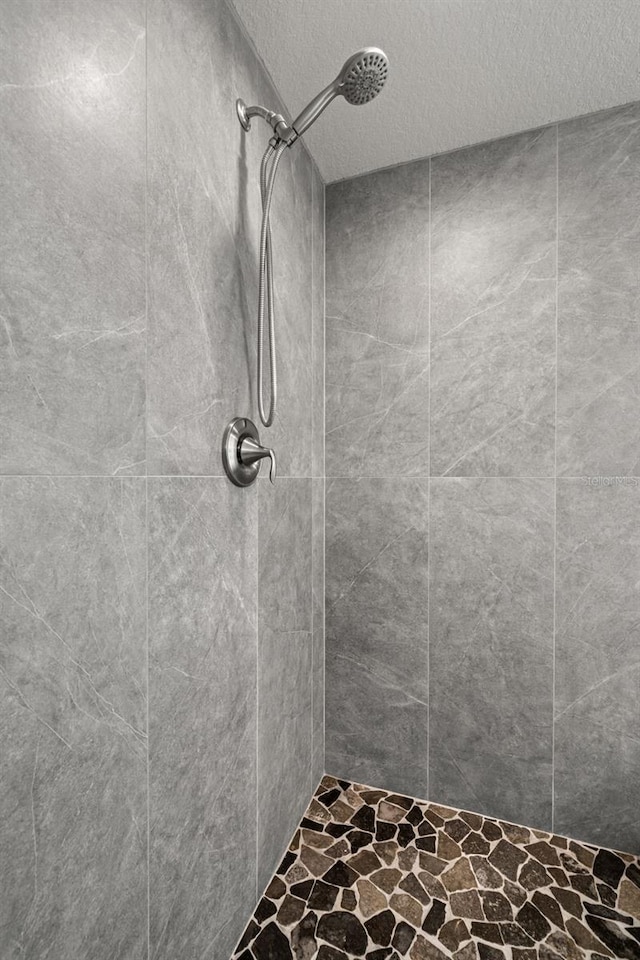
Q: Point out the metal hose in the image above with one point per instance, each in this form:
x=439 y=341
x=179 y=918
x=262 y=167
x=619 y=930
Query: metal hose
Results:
x=268 y=169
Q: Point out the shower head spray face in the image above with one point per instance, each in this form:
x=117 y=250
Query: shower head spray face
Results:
x=363 y=76
x=360 y=80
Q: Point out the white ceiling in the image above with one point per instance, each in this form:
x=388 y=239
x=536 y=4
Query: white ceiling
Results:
x=461 y=71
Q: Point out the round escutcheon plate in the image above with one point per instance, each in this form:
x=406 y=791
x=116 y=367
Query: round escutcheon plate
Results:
x=242 y=474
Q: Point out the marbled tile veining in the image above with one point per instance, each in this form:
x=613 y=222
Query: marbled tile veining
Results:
x=376 y=609
x=73 y=719
x=483 y=344
x=72 y=246
x=379 y=875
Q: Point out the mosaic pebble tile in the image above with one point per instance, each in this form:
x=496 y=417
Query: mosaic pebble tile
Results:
x=381 y=876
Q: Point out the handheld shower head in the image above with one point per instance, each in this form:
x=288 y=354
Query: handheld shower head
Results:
x=361 y=79
x=363 y=76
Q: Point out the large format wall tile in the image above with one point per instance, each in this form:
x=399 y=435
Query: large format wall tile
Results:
x=493 y=253
x=318 y=471
x=491 y=649
x=201 y=350
x=598 y=174
x=599 y=294
x=73 y=719
x=204 y=212
x=317 y=586
x=377 y=632
x=72 y=289
x=377 y=330
x=317 y=333
x=285 y=662
x=597 y=696
x=202 y=663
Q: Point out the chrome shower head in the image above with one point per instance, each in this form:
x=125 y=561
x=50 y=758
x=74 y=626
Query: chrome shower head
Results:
x=361 y=79
x=363 y=76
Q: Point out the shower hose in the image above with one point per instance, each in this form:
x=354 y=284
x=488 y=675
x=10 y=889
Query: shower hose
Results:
x=268 y=169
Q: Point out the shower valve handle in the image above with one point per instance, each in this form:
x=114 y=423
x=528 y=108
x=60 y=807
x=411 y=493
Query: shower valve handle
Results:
x=250 y=452
x=242 y=452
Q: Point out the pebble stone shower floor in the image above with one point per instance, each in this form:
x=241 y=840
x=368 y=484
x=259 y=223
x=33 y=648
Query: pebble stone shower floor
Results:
x=379 y=875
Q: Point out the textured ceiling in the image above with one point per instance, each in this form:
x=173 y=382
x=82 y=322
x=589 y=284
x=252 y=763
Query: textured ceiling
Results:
x=461 y=71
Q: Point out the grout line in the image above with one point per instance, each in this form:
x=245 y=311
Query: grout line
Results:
x=486 y=476
x=142 y=476
x=312 y=638
x=324 y=477
x=146 y=527
x=146 y=461
x=313 y=450
x=555 y=514
x=218 y=476
x=312 y=487
x=429 y=502
x=257 y=727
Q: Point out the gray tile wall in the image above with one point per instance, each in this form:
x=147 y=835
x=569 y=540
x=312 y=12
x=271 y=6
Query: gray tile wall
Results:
x=153 y=765
x=377 y=684
x=483 y=406
x=73 y=717
x=72 y=114
x=285 y=658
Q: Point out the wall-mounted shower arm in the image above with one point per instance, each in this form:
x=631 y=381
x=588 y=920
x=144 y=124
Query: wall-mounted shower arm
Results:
x=282 y=130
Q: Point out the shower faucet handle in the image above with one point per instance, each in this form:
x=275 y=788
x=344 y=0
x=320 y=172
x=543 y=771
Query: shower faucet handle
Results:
x=250 y=451
x=242 y=452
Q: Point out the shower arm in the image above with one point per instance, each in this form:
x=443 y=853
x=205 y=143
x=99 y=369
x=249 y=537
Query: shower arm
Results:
x=282 y=130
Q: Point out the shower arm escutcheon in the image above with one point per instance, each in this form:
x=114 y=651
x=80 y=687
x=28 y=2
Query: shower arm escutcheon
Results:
x=242 y=453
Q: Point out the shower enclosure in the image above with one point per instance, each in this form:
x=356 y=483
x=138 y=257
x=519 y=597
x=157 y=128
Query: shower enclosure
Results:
x=163 y=631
